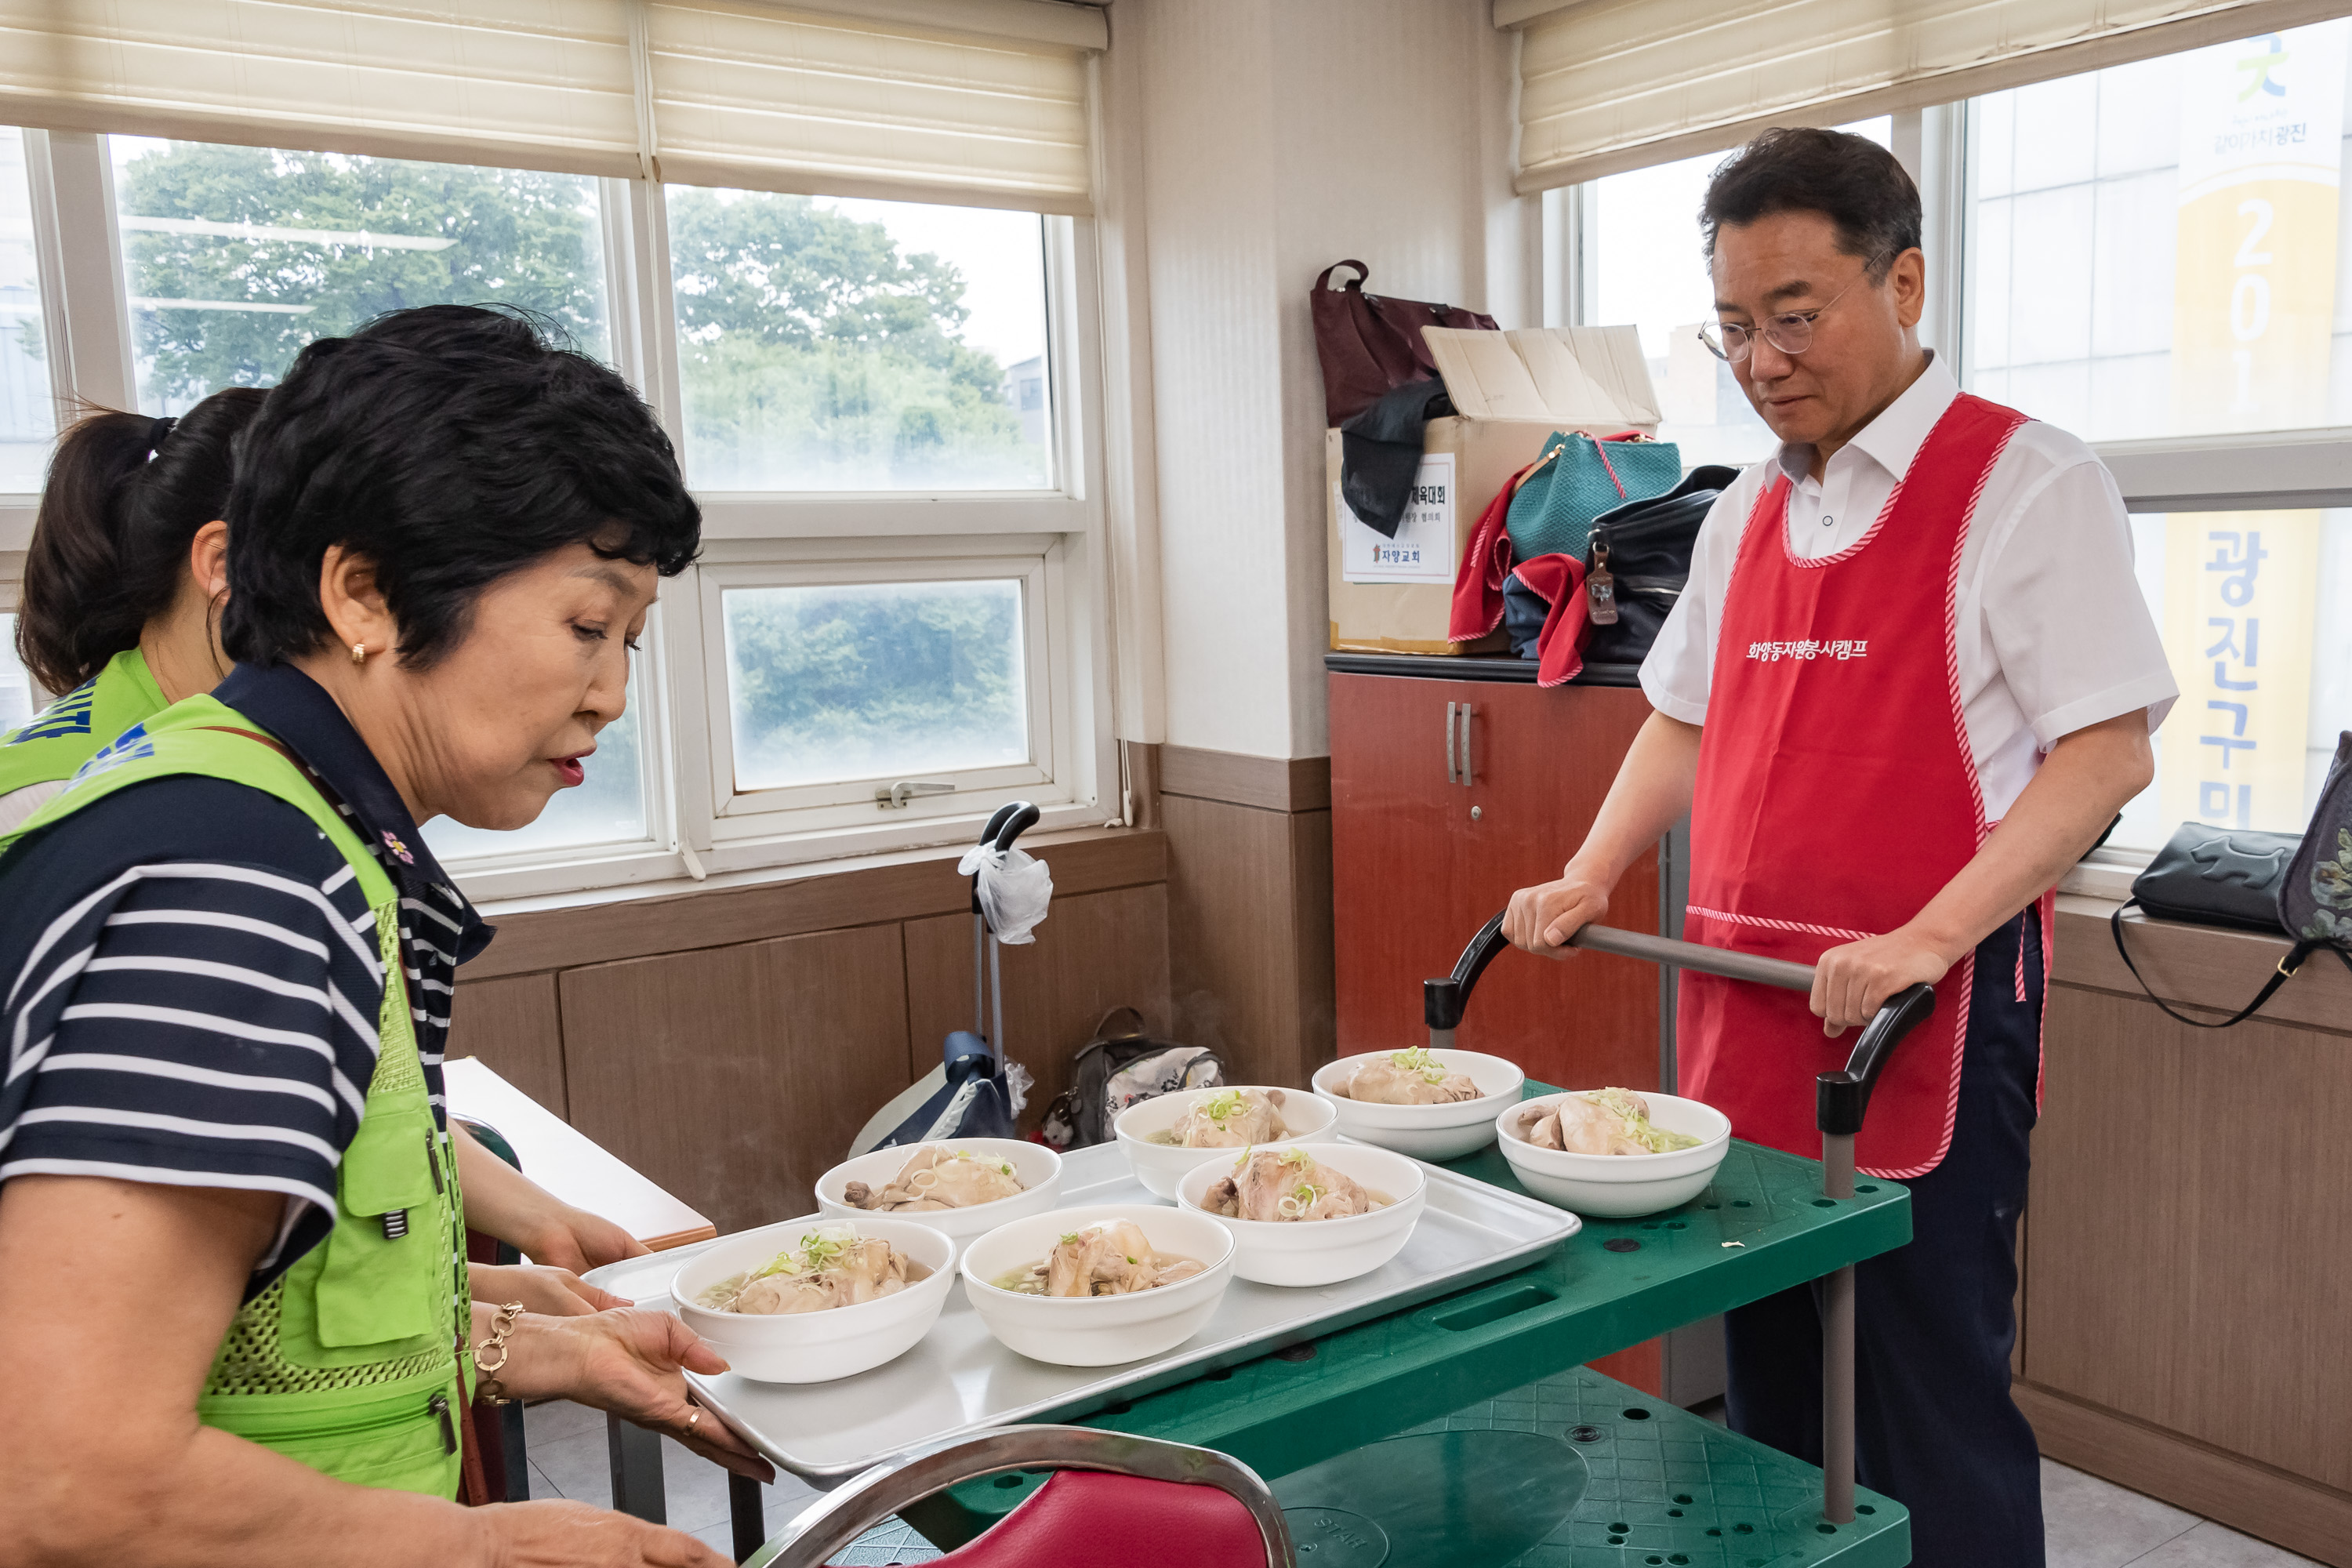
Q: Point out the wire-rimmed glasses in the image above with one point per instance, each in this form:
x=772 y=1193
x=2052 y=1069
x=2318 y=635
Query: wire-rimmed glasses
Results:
x=1792 y=331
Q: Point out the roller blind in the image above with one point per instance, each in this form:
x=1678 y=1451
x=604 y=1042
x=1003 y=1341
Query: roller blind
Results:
x=747 y=95
x=1609 y=85
x=974 y=102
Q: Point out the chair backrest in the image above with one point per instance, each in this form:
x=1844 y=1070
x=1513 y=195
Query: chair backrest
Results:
x=1087 y=1518
x=1114 y=1499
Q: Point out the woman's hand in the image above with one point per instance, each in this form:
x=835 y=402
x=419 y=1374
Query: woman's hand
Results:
x=574 y=1238
x=1852 y=982
x=502 y=1202
x=574 y=1535
x=1542 y=918
x=553 y=1292
x=630 y=1362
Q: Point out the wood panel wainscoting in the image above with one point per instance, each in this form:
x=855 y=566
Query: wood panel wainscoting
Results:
x=729 y=1041
x=1249 y=909
x=2185 y=1329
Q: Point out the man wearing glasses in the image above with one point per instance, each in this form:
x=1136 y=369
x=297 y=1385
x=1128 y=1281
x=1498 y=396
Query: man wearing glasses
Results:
x=1910 y=682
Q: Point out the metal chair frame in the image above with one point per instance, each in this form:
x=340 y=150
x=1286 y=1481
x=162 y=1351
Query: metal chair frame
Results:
x=840 y=1517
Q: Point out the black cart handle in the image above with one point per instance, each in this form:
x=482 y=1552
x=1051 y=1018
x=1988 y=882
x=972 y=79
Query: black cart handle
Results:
x=1006 y=824
x=1841 y=1098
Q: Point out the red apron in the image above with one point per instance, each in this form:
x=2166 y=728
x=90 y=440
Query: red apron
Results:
x=1837 y=794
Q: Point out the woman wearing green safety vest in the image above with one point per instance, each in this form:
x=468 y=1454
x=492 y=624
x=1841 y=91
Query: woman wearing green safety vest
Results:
x=125 y=585
x=229 y=1210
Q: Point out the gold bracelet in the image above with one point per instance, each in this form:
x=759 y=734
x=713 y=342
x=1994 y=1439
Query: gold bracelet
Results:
x=488 y=1390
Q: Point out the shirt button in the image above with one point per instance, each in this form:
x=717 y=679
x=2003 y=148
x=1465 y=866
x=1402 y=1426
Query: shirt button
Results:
x=1827 y=521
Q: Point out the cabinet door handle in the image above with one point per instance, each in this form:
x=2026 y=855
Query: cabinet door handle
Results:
x=1452 y=773
x=1467 y=711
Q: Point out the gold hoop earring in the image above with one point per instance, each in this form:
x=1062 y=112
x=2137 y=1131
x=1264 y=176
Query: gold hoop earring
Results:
x=359 y=653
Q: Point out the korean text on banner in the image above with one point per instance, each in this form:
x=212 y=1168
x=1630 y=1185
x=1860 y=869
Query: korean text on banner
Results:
x=1423 y=550
x=2253 y=309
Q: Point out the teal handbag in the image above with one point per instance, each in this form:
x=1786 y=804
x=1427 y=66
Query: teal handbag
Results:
x=1576 y=480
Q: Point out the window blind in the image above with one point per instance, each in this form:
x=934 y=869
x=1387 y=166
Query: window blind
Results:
x=980 y=102
x=1610 y=85
x=747 y=95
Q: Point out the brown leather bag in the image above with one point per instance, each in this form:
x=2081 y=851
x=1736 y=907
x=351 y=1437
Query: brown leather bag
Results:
x=1369 y=342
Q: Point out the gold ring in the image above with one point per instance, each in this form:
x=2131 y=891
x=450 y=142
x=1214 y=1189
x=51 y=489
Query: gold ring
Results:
x=693 y=1418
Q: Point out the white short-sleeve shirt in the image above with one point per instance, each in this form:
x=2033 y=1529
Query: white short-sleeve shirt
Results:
x=2053 y=633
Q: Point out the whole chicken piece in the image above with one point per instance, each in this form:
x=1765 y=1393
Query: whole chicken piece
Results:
x=781 y=1295
x=1230 y=1119
x=1112 y=1259
x=938 y=1178
x=866 y=1271
x=1602 y=1122
x=1409 y=1077
x=1289 y=1186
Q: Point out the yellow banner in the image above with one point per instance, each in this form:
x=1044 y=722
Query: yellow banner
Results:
x=2240 y=596
x=2253 y=309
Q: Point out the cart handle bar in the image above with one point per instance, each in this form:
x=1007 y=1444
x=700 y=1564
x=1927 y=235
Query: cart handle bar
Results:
x=1841 y=1098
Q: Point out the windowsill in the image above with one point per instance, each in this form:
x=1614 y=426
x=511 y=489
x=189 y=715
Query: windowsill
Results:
x=571 y=930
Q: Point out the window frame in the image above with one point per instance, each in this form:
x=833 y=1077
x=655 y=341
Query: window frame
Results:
x=693 y=830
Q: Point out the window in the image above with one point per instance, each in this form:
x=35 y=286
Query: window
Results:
x=28 y=404
x=18 y=700
x=234 y=257
x=2256 y=610
x=830 y=344
x=859 y=680
x=1642 y=264
x=2154 y=248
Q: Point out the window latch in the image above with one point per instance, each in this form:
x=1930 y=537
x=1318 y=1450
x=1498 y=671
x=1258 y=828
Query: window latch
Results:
x=895 y=798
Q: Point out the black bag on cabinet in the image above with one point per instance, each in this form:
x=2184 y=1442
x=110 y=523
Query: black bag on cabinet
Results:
x=1639 y=561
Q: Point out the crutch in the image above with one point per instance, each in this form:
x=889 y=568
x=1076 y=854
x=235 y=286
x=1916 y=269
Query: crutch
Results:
x=1840 y=1101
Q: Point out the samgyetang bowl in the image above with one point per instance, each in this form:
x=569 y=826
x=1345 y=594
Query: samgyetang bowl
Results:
x=1426 y=1131
x=1619 y=1187
x=1305 y=1119
x=816 y=1347
x=1036 y=1167
x=1098 y=1331
x=1321 y=1251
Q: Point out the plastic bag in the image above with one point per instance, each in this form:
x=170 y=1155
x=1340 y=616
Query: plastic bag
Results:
x=1015 y=889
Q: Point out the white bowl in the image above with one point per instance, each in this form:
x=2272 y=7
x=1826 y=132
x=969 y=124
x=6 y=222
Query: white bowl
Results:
x=1426 y=1131
x=1309 y=1119
x=1038 y=1168
x=1322 y=1251
x=1619 y=1187
x=1098 y=1331
x=816 y=1347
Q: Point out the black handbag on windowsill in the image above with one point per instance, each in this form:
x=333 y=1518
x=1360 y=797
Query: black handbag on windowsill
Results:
x=2300 y=888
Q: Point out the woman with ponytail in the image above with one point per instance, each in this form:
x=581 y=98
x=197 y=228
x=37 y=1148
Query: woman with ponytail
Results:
x=123 y=585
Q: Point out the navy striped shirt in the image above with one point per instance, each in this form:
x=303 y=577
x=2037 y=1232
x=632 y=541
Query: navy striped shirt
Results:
x=192 y=981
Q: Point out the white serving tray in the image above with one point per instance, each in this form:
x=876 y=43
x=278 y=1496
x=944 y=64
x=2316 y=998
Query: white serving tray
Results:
x=959 y=1379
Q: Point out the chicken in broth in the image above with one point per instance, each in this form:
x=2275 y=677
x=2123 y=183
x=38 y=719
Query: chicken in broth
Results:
x=1601 y=1122
x=833 y=1267
x=1409 y=1078
x=1114 y=1258
x=938 y=1177
x=1229 y=1118
x=1291 y=1185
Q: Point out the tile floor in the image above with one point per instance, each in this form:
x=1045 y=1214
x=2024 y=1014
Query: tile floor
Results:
x=2091 y=1523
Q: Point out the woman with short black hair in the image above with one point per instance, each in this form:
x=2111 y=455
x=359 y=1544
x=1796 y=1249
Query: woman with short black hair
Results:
x=228 y=1210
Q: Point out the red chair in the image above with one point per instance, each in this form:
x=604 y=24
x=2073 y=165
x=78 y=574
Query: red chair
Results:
x=1114 y=1501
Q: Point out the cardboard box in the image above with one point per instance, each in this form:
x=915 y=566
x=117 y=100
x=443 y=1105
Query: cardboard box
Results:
x=1512 y=391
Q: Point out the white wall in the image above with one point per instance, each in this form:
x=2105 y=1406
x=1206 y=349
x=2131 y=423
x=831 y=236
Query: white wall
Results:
x=1277 y=137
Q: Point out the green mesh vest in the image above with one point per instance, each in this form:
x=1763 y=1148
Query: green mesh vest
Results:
x=350 y=1360
x=57 y=740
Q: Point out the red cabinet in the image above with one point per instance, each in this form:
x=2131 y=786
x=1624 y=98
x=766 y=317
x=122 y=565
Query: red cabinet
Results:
x=1421 y=861
x=1425 y=851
